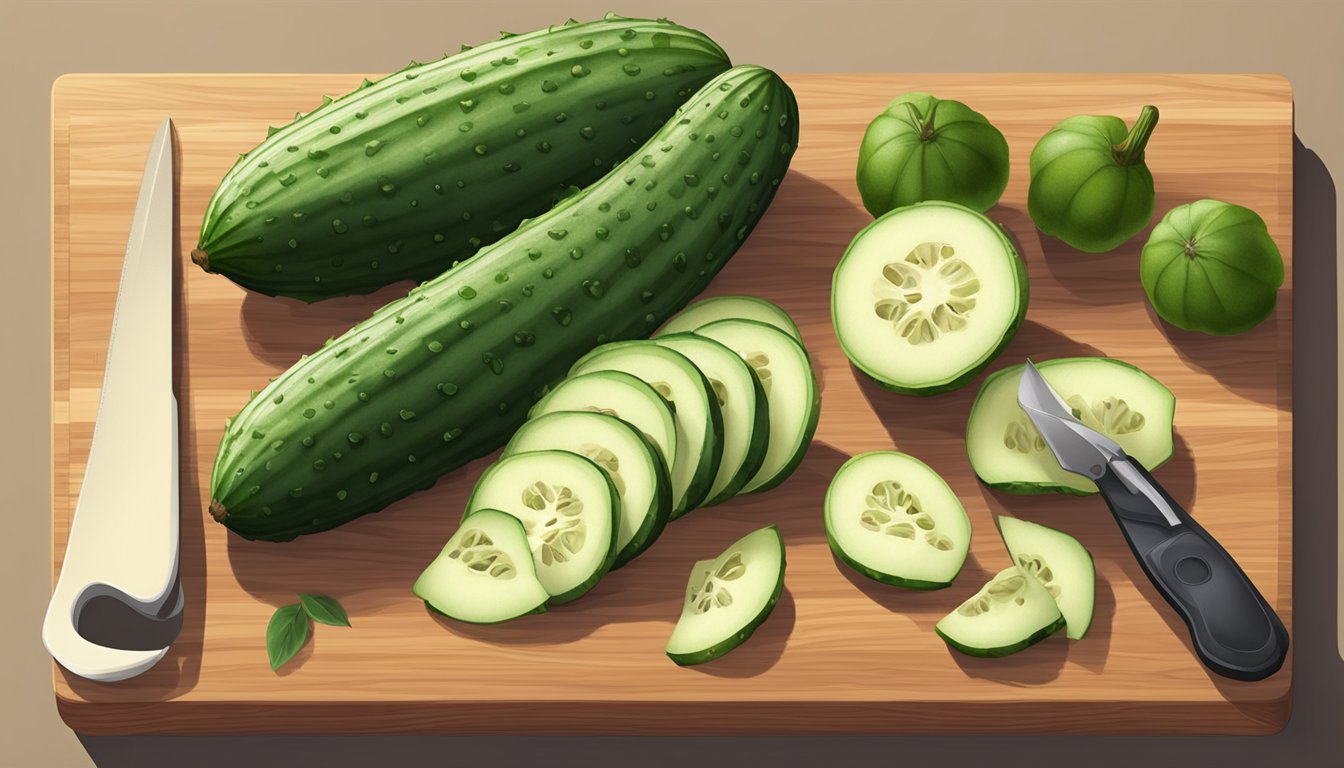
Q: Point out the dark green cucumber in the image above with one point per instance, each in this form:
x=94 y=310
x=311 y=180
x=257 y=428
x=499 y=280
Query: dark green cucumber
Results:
x=446 y=374
x=403 y=178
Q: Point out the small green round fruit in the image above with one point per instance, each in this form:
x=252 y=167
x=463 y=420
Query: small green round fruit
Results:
x=924 y=148
x=1211 y=266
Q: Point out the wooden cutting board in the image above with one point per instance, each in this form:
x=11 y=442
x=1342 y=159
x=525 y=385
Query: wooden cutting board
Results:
x=840 y=653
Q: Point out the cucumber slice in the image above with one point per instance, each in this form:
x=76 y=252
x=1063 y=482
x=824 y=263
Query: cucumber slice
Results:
x=926 y=296
x=1062 y=565
x=621 y=395
x=706 y=311
x=1011 y=612
x=699 y=422
x=791 y=393
x=741 y=398
x=485 y=574
x=728 y=597
x=1111 y=396
x=893 y=519
x=568 y=509
x=631 y=462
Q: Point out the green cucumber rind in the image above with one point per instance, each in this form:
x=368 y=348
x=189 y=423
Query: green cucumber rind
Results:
x=885 y=578
x=969 y=374
x=539 y=609
x=1007 y=650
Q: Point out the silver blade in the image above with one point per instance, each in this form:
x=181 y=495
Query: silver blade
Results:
x=1077 y=447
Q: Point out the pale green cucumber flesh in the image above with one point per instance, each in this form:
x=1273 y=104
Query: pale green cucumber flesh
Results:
x=1060 y=563
x=695 y=411
x=728 y=598
x=568 y=508
x=1012 y=612
x=927 y=296
x=1112 y=396
x=485 y=574
x=741 y=399
x=792 y=397
x=892 y=518
x=706 y=311
x=629 y=460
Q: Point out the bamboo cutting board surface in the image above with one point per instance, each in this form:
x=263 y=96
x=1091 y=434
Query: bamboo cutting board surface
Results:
x=840 y=653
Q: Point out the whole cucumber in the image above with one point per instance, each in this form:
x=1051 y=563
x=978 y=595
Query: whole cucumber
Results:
x=405 y=177
x=446 y=374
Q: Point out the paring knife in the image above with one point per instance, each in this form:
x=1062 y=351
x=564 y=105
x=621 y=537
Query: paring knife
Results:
x=123 y=542
x=1235 y=631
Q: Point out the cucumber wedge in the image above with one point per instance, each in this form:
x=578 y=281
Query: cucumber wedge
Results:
x=707 y=311
x=695 y=410
x=485 y=574
x=927 y=296
x=785 y=372
x=1012 y=612
x=568 y=508
x=1111 y=396
x=893 y=519
x=728 y=597
x=631 y=462
x=741 y=398
x=1062 y=565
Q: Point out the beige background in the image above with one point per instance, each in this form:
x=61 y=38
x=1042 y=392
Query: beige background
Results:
x=41 y=40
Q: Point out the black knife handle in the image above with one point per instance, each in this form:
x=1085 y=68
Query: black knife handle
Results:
x=1235 y=631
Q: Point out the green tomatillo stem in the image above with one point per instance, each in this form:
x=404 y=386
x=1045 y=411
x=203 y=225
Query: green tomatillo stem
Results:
x=1131 y=150
x=925 y=125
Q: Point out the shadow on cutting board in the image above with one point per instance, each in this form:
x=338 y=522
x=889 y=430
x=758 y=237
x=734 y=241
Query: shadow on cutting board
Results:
x=306 y=326
x=1245 y=363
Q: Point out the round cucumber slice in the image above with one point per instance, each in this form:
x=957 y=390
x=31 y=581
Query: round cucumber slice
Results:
x=728 y=597
x=631 y=462
x=1013 y=611
x=926 y=296
x=1062 y=565
x=568 y=508
x=791 y=393
x=1111 y=396
x=696 y=414
x=707 y=311
x=741 y=398
x=893 y=519
x=621 y=395
x=485 y=574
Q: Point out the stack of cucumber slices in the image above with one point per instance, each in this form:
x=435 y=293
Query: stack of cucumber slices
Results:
x=722 y=401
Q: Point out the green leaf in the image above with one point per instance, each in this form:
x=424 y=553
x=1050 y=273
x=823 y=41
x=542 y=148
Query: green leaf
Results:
x=285 y=634
x=324 y=610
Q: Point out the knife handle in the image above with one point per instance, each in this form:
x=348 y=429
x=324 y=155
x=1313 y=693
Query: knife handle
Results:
x=1235 y=631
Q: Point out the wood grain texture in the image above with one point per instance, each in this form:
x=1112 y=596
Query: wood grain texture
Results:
x=840 y=654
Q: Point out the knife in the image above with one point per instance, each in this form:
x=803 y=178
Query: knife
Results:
x=123 y=543
x=1234 y=630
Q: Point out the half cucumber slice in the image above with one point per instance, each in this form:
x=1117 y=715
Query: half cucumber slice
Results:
x=728 y=597
x=746 y=417
x=568 y=508
x=1113 y=397
x=1062 y=565
x=926 y=296
x=485 y=574
x=1013 y=611
x=621 y=395
x=791 y=393
x=699 y=422
x=631 y=462
x=707 y=311
x=893 y=519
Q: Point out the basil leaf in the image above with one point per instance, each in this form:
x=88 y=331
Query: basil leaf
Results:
x=324 y=610
x=285 y=634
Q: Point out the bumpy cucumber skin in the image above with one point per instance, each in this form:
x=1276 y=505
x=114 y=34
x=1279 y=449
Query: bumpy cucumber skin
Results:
x=1025 y=488
x=1007 y=650
x=474 y=348
x=1023 y=298
x=719 y=649
x=403 y=178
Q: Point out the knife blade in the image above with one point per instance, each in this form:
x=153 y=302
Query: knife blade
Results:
x=123 y=541
x=1234 y=630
